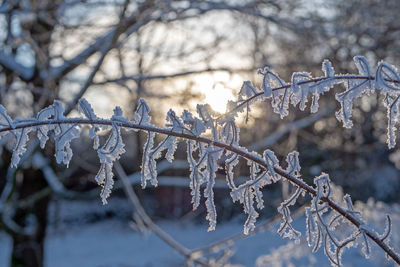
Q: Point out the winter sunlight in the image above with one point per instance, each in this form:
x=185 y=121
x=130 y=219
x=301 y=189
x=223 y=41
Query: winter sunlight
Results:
x=218 y=88
x=218 y=97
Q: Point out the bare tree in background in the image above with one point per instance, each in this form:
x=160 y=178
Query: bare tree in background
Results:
x=114 y=52
x=67 y=49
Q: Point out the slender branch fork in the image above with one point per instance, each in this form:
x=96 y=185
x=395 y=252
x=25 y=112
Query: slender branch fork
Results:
x=235 y=149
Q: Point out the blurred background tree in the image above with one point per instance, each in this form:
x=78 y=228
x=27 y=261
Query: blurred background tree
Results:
x=179 y=53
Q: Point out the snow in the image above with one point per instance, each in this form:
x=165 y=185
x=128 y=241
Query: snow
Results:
x=73 y=239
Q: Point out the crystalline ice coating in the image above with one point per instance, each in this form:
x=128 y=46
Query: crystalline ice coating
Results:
x=293 y=163
x=328 y=69
x=271 y=161
x=300 y=92
x=230 y=132
x=270 y=80
x=86 y=109
x=387 y=78
x=286 y=229
x=108 y=153
x=196 y=126
x=22 y=139
x=142 y=113
x=206 y=155
x=212 y=156
x=362 y=65
x=247 y=90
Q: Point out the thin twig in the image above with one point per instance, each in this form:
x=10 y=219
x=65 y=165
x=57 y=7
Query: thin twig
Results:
x=148 y=221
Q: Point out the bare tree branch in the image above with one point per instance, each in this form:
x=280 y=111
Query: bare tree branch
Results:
x=9 y=63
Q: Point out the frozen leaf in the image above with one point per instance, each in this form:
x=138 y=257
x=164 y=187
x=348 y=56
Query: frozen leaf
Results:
x=113 y=147
x=300 y=89
x=362 y=66
x=274 y=86
x=323 y=186
x=171 y=145
x=22 y=138
x=385 y=236
x=230 y=163
x=212 y=156
x=45 y=114
x=86 y=109
x=247 y=90
x=270 y=81
x=206 y=114
x=150 y=154
x=141 y=116
x=230 y=132
x=293 y=163
x=286 y=229
x=196 y=170
x=271 y=161
x=174 y=122
x=148 y=169
x=328 y=69
x=196 y=126
x=108 y=153
x=250 y=193
x=355 y=88
x=386 y=78
x=64 y=134
x=105 y=178
x=245 y=195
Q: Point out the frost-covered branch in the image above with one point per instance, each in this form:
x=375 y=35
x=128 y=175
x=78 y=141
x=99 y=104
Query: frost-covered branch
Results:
x=304 y=88
x=206 y=154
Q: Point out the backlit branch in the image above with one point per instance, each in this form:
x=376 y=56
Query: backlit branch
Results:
x=204 y=154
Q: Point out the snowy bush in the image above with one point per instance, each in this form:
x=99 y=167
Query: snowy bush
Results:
x=212 y=141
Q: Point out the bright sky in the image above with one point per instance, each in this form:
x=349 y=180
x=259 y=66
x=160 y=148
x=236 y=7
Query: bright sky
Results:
x=218 y=97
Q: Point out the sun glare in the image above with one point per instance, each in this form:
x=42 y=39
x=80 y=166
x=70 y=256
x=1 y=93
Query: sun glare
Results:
x=217 y=88
x=218 y=97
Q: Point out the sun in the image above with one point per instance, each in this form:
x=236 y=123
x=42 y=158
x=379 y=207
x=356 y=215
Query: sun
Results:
x=217 y=88
x=218 y=96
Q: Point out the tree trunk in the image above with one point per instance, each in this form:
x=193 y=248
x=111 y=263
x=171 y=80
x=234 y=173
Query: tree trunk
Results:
x=28 y=251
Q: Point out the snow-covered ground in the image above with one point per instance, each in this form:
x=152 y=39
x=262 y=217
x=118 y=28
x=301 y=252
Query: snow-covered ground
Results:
x=74 y=239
